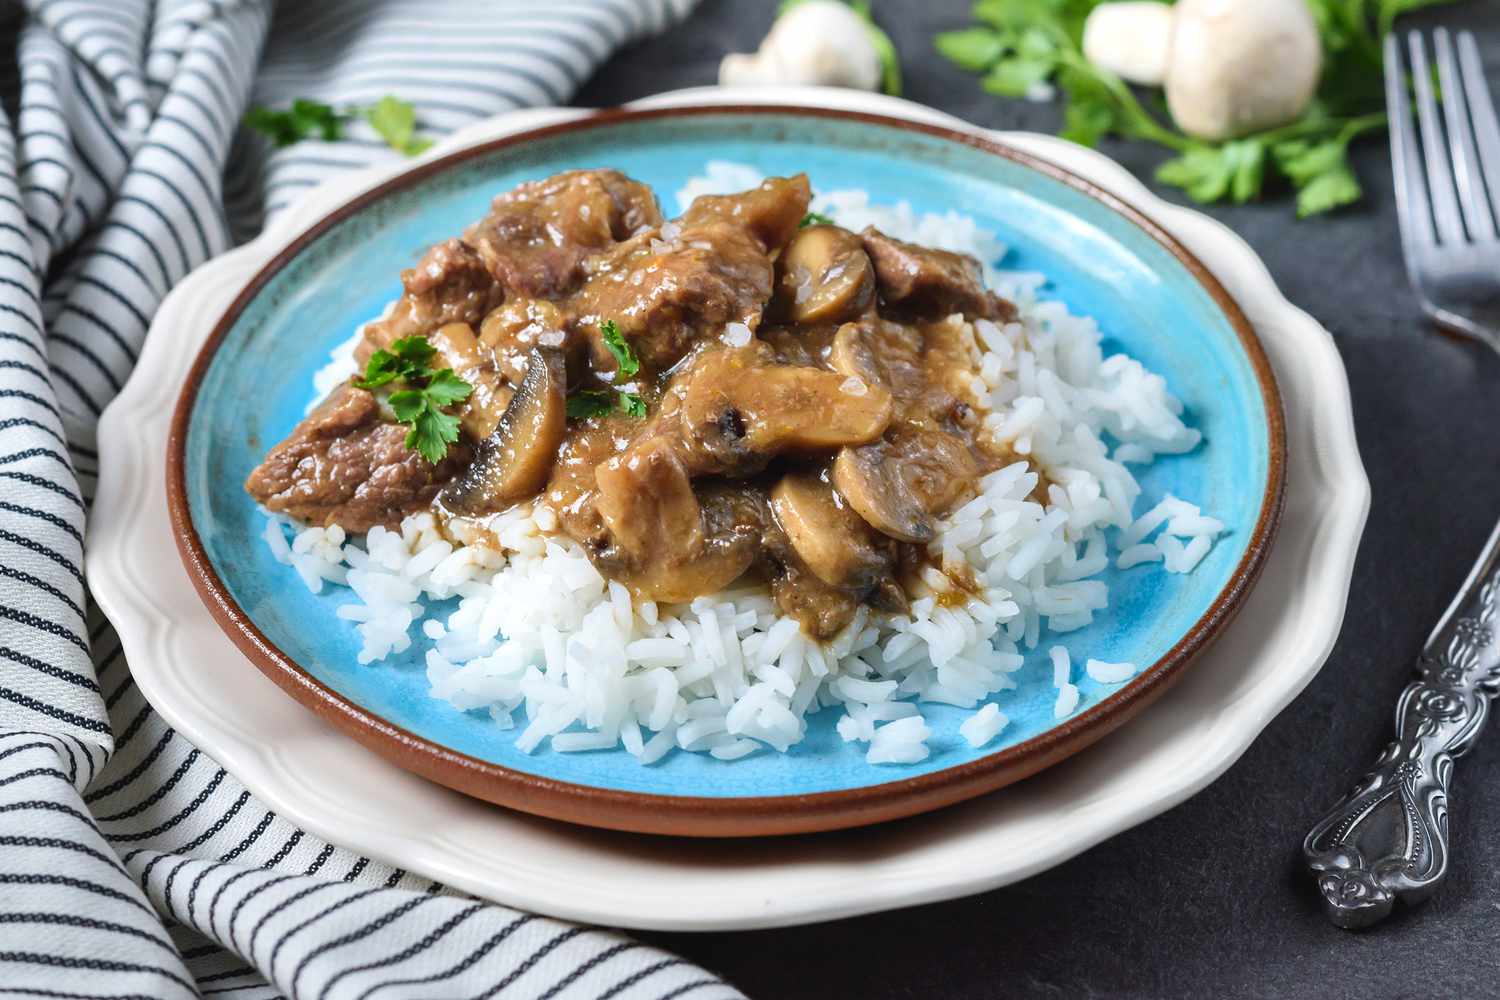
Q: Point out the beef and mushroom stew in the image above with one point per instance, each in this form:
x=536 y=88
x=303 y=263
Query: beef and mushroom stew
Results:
x=744 y=389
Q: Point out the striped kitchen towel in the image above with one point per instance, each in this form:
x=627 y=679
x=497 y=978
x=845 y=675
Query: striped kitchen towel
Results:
x=131 y=864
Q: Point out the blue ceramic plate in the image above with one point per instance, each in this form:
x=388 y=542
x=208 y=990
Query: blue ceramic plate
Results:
x=1151 y=298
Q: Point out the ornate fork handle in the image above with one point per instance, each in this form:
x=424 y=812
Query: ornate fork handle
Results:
x=1388 y=838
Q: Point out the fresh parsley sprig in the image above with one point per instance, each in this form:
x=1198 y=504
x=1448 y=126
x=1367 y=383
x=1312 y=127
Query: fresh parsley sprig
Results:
x=420 y=403
x=599 y=402
x=1022 y=45
x=815 y=219
x=393 y=119
x=624 y=354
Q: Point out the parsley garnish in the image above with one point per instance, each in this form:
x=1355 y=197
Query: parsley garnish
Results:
x=393 y=119
x=590 y=403
x=420 y=404
x=815 y=219
x=396 y=121
x=599 y=402
x=632 y=404
x=302 y=120
x=1021 y=44
x=619 y=347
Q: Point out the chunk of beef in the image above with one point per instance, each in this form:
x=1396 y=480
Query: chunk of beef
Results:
x=931 y=282
x=771 y=212
x=536 y=237
x=476 y=364
x=520 y=324
x=665 y=544
x=449 y=285
x=664 y=296
x=345 y=465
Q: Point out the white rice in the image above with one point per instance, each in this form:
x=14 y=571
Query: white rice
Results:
x=983 y=726
x=541 y=642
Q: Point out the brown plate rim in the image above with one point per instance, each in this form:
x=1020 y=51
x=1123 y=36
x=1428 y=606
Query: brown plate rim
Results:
x=730 y=816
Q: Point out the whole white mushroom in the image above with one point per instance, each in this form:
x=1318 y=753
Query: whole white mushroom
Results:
x=822 y=42
x=1229 y=67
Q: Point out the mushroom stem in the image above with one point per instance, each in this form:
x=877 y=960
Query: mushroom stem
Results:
x=1132 y=40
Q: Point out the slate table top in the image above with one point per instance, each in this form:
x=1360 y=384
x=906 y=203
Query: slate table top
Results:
x=1209 y=899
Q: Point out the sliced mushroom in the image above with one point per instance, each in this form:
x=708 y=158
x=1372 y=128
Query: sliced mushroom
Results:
x=880 y=495
x=475 y=364
x=901 y=484
x=881 y=353
x=826 y=276
x=515 y=460
x=737 y=412
x=835 y=544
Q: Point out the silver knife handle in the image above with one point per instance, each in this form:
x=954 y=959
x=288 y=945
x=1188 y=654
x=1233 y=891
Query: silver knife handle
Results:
x=1388 y=838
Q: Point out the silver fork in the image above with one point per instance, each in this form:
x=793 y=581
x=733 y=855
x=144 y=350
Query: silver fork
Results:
x=1448 y=222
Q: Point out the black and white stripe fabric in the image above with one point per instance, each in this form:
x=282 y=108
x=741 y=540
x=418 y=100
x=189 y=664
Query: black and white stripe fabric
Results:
x=131 y=864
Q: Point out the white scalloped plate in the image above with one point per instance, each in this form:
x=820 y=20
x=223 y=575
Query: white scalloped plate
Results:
x=316 y=777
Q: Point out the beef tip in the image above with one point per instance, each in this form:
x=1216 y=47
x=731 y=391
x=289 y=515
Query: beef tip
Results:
x=345 y=465
x=449 y=285
x=520 y=324
x=476 y=364
x=663 y=295
x=667 y=546
x=931 y=282
x=536 y=237
x=820 y=608
x=771 y=212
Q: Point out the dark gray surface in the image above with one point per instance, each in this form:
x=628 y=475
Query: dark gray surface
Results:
x=1209 y=900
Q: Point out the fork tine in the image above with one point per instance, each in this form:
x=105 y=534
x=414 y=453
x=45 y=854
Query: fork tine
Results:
x=1476 y=209
x=1450 y=226
x=1412 y=207
x=1482 y=111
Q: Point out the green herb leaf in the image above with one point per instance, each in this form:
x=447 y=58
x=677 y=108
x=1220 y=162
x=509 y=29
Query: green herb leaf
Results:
x=629 y=364
x=408 y=404
x=1201 y=172
x=601 y=402
x=1016 y=75
x=815 y=219
x=415 y=351
x=445 y=388
x=396 y=121
x=304 y=119
x=420 y=403
x=1328 y=191
x=431 y=433
x=1090 y=111
x=1247 y=164
x=633 y=405
x=590 y=403
x=973 y=49
x=1036 y=43
x=382 y=367
x=1321 y=173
